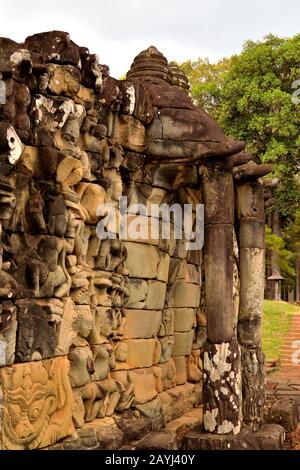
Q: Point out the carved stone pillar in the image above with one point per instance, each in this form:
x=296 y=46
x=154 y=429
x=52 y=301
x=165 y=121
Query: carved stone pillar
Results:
x=251 y=221
x=222 y=379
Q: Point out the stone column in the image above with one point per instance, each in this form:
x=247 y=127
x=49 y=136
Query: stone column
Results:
x=221 y=379
x=251 y=222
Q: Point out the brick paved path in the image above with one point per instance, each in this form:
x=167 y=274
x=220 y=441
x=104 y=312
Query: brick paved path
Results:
x=291 y=347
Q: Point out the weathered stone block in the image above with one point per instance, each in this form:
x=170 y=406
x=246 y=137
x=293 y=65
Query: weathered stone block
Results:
x=156 y=295
x=142 y=229
x=186 y=422
x=130 y=133
x=147 y=196
x=184 y=319
x=269 y=437
x=159 y=441
x=165 y=375
x=284 y=412
x=181 y=372
x=183 y=343
x=171 y=176
x=177 y=269
x=134 y=429
x=144 y=382
x=163 y=267
x=142 y=260
x=164 y=148
x=181 y=399
x=142 y=352
x=193 y=274
x=219 y=187
x=186 y=295
x=154 y=412
x=141 y=323
x=138 y=291
x=167 y=322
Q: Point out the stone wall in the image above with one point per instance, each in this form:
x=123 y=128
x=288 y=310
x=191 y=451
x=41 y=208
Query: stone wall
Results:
x=93 y=329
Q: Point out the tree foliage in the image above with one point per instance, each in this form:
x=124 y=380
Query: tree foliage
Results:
x=207 y=81
x=250 y=95
x=286 y=257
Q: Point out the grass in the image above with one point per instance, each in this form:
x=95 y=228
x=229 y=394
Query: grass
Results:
x=276 y=321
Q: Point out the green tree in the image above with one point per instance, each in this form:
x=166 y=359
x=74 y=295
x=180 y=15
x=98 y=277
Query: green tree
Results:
x=256 y=106
x=286 y=257
x=250 y=95
x=207 y=81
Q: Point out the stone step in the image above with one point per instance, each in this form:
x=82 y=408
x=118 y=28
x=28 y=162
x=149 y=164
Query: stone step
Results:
x=269 y=437
x=287 y=359
x=294 y=329
x=292 y=333
x=159 y=441
x=291 y=339
x=284 y=412
x=287 y=354
x=289 y=363
x=287 y=351
x=186 y=422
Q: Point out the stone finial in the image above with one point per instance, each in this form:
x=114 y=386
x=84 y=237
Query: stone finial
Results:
x=178 y=77
x=152 y=63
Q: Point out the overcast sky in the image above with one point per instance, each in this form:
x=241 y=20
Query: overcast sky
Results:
x=117 y=30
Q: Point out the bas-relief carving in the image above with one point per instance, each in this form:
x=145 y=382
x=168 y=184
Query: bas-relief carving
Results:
x=8 y=330
x=72 y=139
x=37 y=400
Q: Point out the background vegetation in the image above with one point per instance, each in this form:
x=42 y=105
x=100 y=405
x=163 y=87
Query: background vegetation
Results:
x=250 y=95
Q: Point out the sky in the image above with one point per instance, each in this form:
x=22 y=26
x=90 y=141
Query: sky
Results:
x=117 y=30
